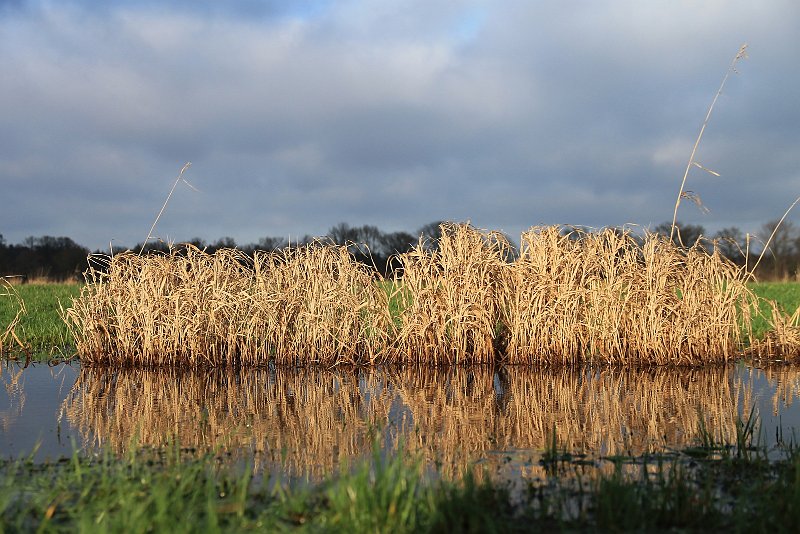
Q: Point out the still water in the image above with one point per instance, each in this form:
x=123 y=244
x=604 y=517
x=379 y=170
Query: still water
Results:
x=305 y=423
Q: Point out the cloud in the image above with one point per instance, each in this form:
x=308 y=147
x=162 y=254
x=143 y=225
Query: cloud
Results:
x=389 y=113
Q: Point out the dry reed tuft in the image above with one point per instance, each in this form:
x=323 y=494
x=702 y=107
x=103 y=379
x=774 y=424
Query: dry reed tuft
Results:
x=313 y=304
x=608 y=297
x=782 y=340
x=8 y=335
x=316 y=304
x=450 y=297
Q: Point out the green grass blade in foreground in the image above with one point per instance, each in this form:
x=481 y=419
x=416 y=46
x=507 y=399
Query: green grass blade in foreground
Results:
x=171 y=492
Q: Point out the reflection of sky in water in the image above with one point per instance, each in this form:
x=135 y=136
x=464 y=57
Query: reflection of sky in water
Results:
x=312 y=420
x=776 y=400
x=30 y=401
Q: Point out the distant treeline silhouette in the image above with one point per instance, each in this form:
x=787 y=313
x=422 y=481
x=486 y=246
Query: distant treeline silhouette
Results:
x=46 y=257
x=61 y=258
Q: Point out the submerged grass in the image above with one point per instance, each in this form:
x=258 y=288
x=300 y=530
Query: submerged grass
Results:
x=566 y=297
x=319 y=418
x=170 y=490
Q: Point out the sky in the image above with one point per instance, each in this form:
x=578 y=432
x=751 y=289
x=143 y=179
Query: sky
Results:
x=299 y=115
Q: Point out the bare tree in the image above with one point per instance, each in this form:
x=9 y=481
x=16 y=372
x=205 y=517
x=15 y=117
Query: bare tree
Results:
x=271 y=243
x=683 y=234
x=782 y=249
x=732 y=244
x=343 y=234
x=397 y=243
x=430 y=234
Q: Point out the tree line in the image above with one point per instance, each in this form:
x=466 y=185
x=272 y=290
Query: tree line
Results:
x=61 y=258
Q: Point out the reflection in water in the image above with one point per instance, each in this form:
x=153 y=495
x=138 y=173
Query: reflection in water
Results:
x=307 y=422
x=786 y=380
x=30 y=397
x=15 y=392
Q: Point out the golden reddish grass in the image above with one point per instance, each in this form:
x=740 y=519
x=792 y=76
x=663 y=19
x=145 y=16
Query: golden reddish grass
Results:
x=605 y=297
x=451 y=298
x=610 y=297
x=8 y=335
x=313 y=304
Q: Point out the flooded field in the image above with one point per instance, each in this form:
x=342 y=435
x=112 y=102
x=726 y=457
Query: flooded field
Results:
x=302 y=424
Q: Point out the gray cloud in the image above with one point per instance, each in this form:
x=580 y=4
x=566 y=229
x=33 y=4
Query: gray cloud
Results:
x=389 y=113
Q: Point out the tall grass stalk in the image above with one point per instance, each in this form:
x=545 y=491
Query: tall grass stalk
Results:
x=178 y=180
x=8 y=335
x=682 y=193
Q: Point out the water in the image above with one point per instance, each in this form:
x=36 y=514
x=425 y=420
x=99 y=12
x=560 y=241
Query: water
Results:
x=305 y=423
x=29 y=410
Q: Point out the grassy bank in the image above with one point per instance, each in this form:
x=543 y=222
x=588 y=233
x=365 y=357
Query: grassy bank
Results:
x=710 y=487
x=785 y=294
x=40 y=328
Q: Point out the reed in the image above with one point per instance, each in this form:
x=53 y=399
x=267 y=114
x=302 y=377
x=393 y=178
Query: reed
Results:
x=8 y=335
x=608 y=296
x=451 y=297
x=612 y=297
x=313 y=304
x=781 y=341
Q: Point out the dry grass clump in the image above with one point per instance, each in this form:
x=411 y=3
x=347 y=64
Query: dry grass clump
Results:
x=782 y=340
x=606 y=296
x=451 y=297
x=316 y=304
x=8 y=332
x=312 y=304
x=609 y=296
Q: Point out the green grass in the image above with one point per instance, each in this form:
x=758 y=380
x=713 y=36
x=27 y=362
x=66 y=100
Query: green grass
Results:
x=175 y=493
x=785 y=294
x=169 y=490
x=40 y=328
x=395 y=299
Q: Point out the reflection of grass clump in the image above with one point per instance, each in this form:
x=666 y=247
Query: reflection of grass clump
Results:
x=448 y=416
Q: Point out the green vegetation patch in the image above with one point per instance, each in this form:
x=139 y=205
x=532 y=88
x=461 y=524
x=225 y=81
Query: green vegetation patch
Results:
x=41 y=328
x=785 y=294
x=169 y=491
